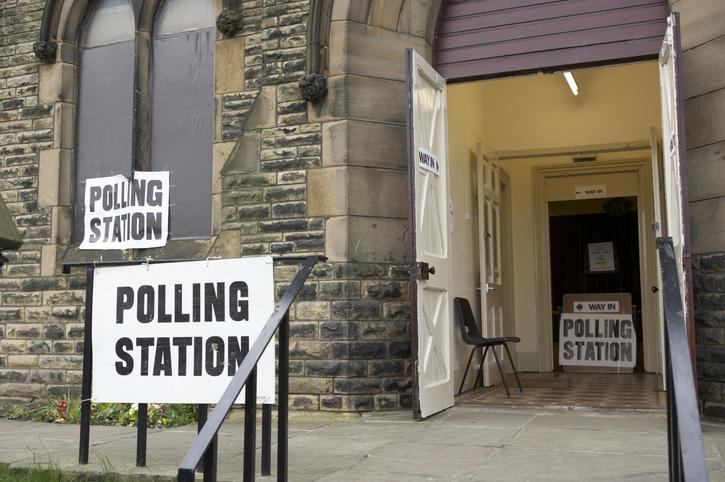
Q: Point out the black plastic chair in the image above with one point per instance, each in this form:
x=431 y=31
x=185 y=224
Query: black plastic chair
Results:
x=471 y=335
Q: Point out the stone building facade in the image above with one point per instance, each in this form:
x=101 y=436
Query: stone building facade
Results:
x=290 y=176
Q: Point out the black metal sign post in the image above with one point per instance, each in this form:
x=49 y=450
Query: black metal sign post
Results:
x=87 y=380
x=87 y=364
x=142 y=424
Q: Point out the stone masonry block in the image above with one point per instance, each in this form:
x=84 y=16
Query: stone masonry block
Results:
x=378 y=192
x=47 y=376
x=397 y=384
x=229 y=62
x=300 y=349
x=54 y=178
x=310 y=385
x=386 y=368
x=358 y=385
x=312 y=310
x=301 y=330
x=22 y=361
x=383 y=330
x=61 y=361
x=13 y=346
x=304 y=402
x=22 y=389
x=10 y=375
x=39 y=346
x=384 y=289
x=339 y=330
x=386 y=402
x=356 y=310
x=335 y=368
x=327 y=192
x=337 y=290
x=347 y=402
x=399 y=348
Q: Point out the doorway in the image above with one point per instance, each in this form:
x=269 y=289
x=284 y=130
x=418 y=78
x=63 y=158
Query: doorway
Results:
x=575 y=227
x=551 y=140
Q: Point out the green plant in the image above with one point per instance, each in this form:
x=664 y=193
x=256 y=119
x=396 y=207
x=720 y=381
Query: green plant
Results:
x=123 y=414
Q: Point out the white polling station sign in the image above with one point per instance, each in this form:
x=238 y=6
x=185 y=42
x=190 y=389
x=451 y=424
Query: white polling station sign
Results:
x=125 y=213
x=177 y=332
x=597 y=340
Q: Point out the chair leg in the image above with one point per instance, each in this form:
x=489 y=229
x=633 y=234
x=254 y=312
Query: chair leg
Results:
x=513 y=367
x=480 y=368
x=500 y=371
x=470 y=359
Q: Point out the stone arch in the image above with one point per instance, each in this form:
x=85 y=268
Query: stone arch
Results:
x=366 y=70
x=413 y=17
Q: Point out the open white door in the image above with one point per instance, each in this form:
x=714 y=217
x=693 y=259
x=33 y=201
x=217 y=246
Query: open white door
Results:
x=673 y=162
x=428 y=147
x=672 y=142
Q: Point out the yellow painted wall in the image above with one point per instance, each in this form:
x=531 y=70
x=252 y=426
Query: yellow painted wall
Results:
x=616 y=104
x=464 y=132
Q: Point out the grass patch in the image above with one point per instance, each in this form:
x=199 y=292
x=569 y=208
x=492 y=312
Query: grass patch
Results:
x=119 y=414
x=51 y=475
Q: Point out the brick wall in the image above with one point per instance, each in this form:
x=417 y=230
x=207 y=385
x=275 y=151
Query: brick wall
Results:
x=349 y=343
x=41 y=326
x=349 y=347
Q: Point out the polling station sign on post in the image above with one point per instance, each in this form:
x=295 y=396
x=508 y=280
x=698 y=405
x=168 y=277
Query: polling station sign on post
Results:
x=125 y=213
x=177 y=332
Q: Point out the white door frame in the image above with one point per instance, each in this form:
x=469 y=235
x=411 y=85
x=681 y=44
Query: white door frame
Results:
x=647 y=253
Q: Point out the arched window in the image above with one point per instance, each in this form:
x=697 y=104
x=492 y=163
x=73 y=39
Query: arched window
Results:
x=105 y=98
x=182 y=111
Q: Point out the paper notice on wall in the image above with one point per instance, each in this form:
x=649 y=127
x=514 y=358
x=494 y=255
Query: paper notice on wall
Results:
x=590 y=192
x=601 y=257
x=126 y=213
x=428 y=161
x=607 y=306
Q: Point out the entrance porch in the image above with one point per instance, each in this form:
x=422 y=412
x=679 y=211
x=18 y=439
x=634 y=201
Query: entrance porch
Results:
x=574 y=390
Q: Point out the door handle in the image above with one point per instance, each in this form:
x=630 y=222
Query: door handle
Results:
x=426 y=270
x=655 y=289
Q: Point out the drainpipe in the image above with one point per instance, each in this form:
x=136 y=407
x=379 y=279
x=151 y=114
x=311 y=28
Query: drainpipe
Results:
x=46 y=47
x=313 y=84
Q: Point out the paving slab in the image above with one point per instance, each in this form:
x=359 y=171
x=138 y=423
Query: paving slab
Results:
x=464 y=443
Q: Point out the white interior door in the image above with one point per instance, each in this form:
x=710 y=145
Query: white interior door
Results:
x=492 y=296
x=673 y=145
x=431 y=235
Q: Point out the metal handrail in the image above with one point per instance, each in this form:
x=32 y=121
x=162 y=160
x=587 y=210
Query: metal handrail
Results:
x=686 y=452
x=204 y=445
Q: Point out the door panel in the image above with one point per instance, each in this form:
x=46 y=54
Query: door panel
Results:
x=431 y=234
x=492 y=296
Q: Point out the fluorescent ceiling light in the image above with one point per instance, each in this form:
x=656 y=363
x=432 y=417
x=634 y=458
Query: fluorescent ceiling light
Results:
x=572 y=83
